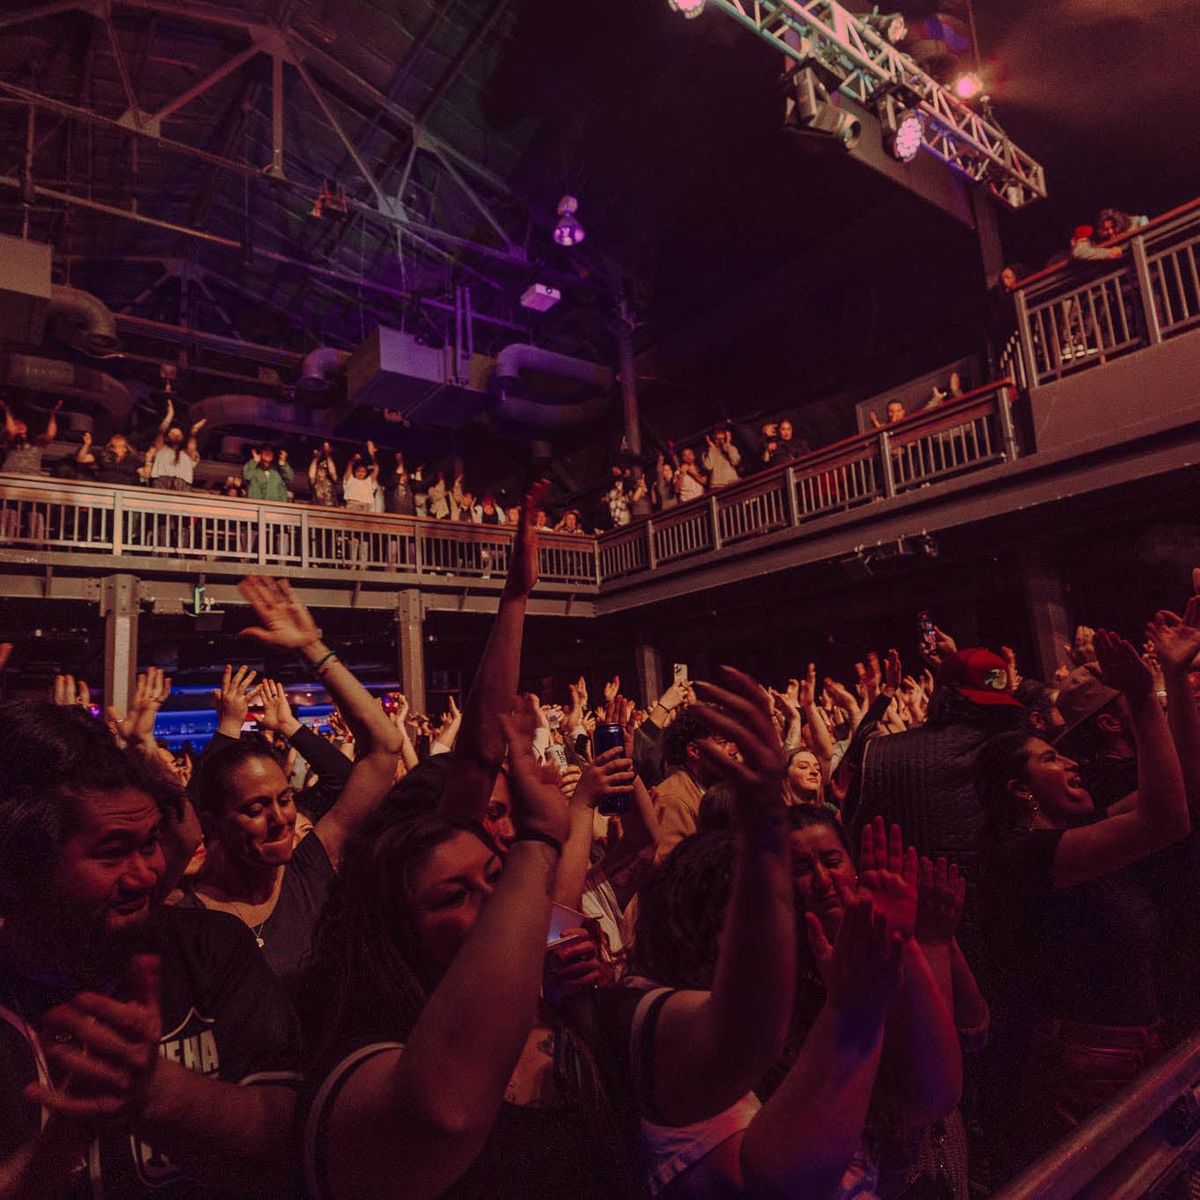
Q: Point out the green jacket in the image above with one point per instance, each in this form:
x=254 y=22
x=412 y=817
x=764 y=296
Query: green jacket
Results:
x=270 y=484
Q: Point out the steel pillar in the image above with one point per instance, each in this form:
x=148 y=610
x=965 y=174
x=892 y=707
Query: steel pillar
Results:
x=119 y=603
x=649 y=672
x=629 y=397
x=1046 y=607
x=410 y=646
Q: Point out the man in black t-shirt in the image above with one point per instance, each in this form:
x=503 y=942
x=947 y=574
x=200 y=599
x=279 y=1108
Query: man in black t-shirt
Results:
x=125 y=1028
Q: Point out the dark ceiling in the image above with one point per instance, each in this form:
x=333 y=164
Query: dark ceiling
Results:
x=763 y=275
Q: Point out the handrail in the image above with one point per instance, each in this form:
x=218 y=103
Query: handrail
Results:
x=1150 y=227
x=833 y=454
x=1070 y=1166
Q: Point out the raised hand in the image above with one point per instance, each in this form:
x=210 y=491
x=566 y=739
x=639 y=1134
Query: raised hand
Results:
x=893 y=672
x=611 y=774
x=941 y=892
x=232 y=699
x=862 y=972
x=523 y=565
x=1010 y=663
x=276 y=712
x=1176 y=639
x=740 y=710
x=944 y=645
x=537 y=798
x=286 y=623
x=611 y=689
x=103 y=1052
x=69 y=693
x=1121 y=666
x=573 y=965
x=1083 y=649
x=151 y=693
x=888 y=874
x=842 y=696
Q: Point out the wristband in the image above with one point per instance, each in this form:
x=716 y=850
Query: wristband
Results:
x=534 y=835
x=323 y=660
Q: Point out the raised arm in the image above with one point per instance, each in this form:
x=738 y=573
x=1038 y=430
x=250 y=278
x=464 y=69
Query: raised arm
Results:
x=481 y=741
x=168 y=417
x=712 y=1047
x=1176 y=641
x=51 y=430
x=1160 y=813
x=411 y=1122
x=84 y=453
x=287 y=624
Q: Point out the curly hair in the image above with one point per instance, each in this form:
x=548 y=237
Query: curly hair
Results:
x=688 y=726
x=681 y=910
x=53 y=757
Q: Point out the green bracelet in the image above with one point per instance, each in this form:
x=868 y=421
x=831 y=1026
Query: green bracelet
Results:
x=318 y=665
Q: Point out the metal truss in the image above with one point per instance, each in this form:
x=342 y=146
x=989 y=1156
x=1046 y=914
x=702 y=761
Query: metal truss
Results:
x=381 y=208
x=869 y=68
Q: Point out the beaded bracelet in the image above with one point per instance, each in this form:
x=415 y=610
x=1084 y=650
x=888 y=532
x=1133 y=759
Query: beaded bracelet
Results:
x=320 y=663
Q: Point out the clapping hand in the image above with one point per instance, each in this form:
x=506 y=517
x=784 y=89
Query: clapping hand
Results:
x=70 y=694
x=232 y=699
x=862 y=969
x=1176 y=639
x=137 y=726
x=888 y=873
x=941 y=892
x=276 y=712
x=1083 y=649
x=1121 y=666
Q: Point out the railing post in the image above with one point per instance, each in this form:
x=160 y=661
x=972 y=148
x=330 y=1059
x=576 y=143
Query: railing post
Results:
x=885 y=464
x=793 y=508
x=1008 y=431
x=118 y=534
x=651 y=553
x=714 y=516
x=262 y=536
x=1025 y=338
x=599 y=569
x=418 y=557
x=304 y=541
x=1141 y=265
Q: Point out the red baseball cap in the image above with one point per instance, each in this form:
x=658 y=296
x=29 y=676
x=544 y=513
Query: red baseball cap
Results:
x=979 y=675
x=1083 y=231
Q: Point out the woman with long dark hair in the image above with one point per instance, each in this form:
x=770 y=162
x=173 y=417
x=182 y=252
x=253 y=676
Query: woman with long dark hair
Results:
x=1070 y=922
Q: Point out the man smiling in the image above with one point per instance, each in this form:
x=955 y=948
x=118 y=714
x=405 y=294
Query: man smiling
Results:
x=124 y=1026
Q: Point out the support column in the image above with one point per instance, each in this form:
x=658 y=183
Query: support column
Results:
x=649 y=672
x=629 y=398
x=410 y=646
x=1046 y=606
x=991 y=252
x=119 y=603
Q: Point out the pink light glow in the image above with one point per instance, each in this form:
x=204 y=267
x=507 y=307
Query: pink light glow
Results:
x=967 y=87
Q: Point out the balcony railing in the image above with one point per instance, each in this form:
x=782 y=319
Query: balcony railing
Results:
x=1085 y=314
x=45 y=515
x=973 y=432
x=50 y=516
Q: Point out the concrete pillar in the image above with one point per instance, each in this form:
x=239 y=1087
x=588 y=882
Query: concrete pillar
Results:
x=410 y=646
x=119 y=601
x=651 y=684
x=1046 y=607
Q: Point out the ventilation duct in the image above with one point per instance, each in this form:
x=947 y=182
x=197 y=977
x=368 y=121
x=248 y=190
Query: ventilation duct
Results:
x=317 y=365
x=539 y=389
x=257 y=411
x=93 y=329
x=63 y=379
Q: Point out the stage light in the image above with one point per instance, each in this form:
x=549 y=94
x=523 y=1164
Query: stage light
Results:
x=688 y=8
x=809 y=110
x=968 y=86
x=891 y=26
x=905 y=140
x=568 y=231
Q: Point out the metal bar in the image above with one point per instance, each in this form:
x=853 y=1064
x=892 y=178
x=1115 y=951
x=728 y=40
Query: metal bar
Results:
x=1026 y=337
x=277 y=97
x=885 y=459
x=198 y=89
x=135 y=114
x=42 y=10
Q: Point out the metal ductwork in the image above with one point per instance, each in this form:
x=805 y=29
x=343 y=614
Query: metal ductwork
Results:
x=223 y=411
x=317 y=365
x=98 y=332
x=63 y=379
x=539 y=389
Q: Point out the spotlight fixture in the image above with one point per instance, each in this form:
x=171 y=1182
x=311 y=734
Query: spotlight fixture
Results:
x=968 y=86
x=809 y=110
x=540 y=297
x=568 y=231
x=905 y=140
x=689 y=9
x=888 y=25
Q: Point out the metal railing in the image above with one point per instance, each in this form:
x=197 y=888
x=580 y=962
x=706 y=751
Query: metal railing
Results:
x=1085 y=314
x=1134 y=1146
x=973 y=432
x=46 y=515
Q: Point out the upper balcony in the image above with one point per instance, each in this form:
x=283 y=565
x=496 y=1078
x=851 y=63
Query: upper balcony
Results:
x=1101 y=393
